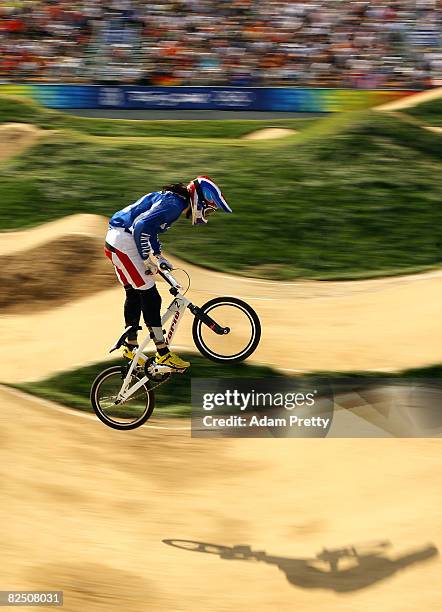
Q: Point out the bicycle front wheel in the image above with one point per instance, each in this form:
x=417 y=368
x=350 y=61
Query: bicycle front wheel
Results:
x=244 y=330
x=126 y=415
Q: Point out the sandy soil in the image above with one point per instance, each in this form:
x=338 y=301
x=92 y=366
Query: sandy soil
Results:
x=269 y=134
x=81 y=224
x=16 y=138
x=53 y=264
x=86 y=510
x=413 y=100
x=64 y=269
x=369 y=325
x=387 y=324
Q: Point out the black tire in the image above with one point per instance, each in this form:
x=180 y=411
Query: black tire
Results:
x=120 y=372
x=199 y=328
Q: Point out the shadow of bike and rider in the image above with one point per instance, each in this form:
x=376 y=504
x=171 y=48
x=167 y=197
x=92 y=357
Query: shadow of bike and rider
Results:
x=342 y=570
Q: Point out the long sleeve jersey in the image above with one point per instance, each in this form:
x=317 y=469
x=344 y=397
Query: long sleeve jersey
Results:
x=151 y=215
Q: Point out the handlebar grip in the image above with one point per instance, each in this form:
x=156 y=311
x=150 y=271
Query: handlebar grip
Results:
x=169 y=279
x=164 y=266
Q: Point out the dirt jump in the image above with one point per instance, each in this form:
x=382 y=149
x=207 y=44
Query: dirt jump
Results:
x=61 y=275
x=15 y=138
x=269 y=134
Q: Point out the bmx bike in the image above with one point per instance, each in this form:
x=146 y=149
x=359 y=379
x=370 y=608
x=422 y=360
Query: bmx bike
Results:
x=225 y=330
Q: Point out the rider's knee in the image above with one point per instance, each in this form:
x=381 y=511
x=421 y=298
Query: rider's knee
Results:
x=151 y=306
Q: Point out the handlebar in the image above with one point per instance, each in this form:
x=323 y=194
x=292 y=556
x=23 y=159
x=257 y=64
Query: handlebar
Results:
x=165 y=273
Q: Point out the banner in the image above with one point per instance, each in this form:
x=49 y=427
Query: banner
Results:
x=129 y=97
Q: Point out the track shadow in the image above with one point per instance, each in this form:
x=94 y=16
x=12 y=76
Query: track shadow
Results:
x=341 y=570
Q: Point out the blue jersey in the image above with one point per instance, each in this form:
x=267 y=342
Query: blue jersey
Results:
x=151 y=215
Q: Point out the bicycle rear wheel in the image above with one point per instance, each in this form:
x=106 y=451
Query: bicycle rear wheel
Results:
x=126 y=415
x=242 y=338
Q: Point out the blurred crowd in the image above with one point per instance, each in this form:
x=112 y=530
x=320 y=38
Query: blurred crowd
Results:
x=314 y=43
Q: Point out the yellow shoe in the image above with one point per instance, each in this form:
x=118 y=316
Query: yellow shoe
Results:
x=172 y=361
x=130 y=354
x=127 y=352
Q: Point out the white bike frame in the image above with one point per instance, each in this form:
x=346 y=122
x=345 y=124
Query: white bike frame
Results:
x=175 y=312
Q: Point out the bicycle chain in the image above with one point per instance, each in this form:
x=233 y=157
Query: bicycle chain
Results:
x=159 y=384
x=150 y=388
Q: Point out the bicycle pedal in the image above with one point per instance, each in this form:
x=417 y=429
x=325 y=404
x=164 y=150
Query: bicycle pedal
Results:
x=160 y=369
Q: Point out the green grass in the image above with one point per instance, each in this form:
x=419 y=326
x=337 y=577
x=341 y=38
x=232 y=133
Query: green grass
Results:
x=353 y=195
x=173 y=399
x=428 y=112
x=16 y=109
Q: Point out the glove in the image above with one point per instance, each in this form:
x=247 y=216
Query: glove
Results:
x=151 y=267
x=163 y=262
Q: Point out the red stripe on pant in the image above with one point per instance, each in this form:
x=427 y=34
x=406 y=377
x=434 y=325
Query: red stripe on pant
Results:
x=120 y=272
x=135 y=276
x=122 y=277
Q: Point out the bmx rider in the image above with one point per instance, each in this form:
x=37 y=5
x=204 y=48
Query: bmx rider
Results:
x=132 y=240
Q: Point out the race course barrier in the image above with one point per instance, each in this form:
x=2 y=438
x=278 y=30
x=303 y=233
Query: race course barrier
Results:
x=204 y=98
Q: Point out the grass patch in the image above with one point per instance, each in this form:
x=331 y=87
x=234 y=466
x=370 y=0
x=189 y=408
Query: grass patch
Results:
x=352 y=196
x=173 y=399
x=19 y=110
x=428 y=112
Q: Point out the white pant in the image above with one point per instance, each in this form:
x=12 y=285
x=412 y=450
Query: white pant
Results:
x=128 y=264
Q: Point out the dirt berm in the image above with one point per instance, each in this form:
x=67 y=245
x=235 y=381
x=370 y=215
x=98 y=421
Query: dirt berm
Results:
x=52 y=274
x=53 y=264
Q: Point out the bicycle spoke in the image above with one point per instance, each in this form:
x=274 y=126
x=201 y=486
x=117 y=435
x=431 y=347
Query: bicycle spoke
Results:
x=125 y=412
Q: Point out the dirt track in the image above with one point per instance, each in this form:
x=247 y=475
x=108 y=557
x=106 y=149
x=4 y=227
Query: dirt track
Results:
x=413 y=100
x=379 y=324
x=87 y=509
